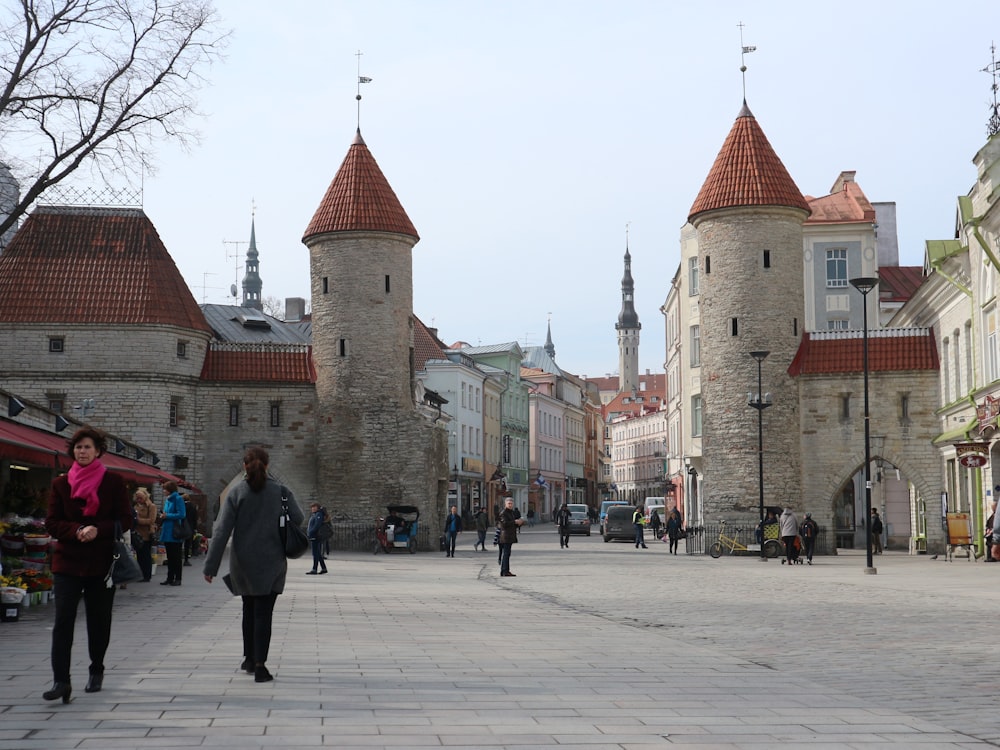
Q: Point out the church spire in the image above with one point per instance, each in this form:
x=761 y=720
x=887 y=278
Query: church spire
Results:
x=252 y=284
x=628 y=328
x=550 y=348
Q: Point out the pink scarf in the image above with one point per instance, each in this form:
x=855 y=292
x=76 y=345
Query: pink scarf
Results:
x=83 y=483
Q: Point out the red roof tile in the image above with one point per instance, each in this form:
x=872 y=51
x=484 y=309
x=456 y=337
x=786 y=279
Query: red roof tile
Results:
x=889 y=350
x=259 y=363
x=360 y=198
x=93 y=265
x=747 y=172
x=898 y=283
x=425 y=345
x=618 y=406
x=847 y=204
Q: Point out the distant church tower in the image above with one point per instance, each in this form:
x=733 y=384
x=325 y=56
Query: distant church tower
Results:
x=375 y=446
x=749 y=216
x=628 y=328
x=549 y=347
x=252 y=284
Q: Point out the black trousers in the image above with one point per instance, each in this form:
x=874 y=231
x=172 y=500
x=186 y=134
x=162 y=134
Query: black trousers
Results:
x=317 y=550
x=144 y=556
x=257 y=614
x=98 y=600
x=175 y=560
x=505 y=557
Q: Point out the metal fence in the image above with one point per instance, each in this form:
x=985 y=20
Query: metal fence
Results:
x=357 y=536
x=700 y=538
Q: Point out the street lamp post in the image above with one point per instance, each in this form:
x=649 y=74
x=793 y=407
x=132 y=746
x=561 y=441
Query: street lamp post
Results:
x=864 y=285
x=759 y=402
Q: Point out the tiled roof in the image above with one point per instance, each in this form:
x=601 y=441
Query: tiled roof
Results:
x=426 y=345
x=241 y=324
x=889 y=350
x=360 y=198
x=747 y=172
x=898 y=283
x=627 y=403
x=653 y=382
x=845 y=205
x=93 y=265
x=259 y=363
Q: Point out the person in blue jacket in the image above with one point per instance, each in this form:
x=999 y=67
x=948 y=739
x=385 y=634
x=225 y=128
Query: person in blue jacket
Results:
x=452 y=528
x=173 y=510
x=316 y=519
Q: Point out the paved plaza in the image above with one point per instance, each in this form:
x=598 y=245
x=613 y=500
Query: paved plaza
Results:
x=595 y=646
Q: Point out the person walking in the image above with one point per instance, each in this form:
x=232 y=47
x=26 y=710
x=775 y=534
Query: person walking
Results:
x=482 y=526
x=674 y=530
x=789 y=531
x=508 y=523
x=637 y=523
x=257 y=563
x=876 y=531
x=84 y=506
x=988 y=540
x=145 y=525
x=173 y=510
x=531 y=516
x=452 y=528
x=809 y=531
x=317 y=518
x=655 y=523
x=563 y=517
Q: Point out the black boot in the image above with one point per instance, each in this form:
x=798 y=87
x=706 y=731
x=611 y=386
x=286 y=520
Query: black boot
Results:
x=59 y=690
x=94 y=683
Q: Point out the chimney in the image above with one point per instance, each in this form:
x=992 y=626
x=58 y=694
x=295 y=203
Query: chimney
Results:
x=295 y=309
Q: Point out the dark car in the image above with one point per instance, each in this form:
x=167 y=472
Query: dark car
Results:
x=579 y=522
x=618 y=523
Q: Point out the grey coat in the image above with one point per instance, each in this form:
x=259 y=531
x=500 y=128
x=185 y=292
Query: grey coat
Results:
x=257 y=564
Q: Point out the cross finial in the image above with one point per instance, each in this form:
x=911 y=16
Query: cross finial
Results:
x=745 y=49
x=993 y=126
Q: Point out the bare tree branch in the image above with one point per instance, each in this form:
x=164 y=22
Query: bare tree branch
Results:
x=98 y=82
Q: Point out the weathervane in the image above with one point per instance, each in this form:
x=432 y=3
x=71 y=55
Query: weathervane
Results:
x=745 y=49
x=361 y=79
x=993 y=126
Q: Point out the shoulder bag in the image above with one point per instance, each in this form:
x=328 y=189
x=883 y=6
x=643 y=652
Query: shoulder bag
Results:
x=124 y=568
x=293 y=537
x=181 y=530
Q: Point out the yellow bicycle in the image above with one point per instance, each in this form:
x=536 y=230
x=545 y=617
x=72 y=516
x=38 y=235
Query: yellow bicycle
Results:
x=772 y=548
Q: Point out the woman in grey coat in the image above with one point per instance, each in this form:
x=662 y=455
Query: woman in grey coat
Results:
x=257 y=564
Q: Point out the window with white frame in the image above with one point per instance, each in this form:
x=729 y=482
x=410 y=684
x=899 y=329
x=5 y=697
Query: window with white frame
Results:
x=990 y=358
x=696 y=346
x=836 y=267
x=693 y=276
x=696 y=416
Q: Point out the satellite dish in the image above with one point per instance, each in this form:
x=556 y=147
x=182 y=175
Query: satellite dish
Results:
x=232 y=290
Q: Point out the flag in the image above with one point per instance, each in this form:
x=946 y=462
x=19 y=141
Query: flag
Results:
x=364 y=79
x=748 y=49
x=540 y=481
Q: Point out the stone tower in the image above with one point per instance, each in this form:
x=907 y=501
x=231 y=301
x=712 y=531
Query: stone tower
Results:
x=252 y=284
x=628 y=328
x=749 y=216
x=375 y=448
x=10 y=194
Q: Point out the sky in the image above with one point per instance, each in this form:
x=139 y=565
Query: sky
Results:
x=525 y=138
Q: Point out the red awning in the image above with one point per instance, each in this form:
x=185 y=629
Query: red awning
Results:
x=30 y=445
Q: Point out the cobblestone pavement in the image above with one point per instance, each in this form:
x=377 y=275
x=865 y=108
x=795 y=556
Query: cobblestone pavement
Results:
x=595 y=646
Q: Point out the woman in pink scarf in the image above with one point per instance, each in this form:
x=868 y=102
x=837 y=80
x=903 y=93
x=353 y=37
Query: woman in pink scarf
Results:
x=83 y=507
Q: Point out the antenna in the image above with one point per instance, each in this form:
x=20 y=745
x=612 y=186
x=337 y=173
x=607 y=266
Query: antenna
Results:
x=361 y=79
x=235 y=255
x=205 y=287
x=745 y=49
x=993 y=126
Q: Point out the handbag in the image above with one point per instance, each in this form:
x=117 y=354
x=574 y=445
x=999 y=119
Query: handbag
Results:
x=124 y=568
x=181 y=530
x=293 y=538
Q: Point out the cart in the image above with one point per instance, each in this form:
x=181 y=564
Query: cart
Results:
x=397 y=530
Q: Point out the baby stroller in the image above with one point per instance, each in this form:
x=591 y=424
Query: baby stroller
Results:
x=795 y=558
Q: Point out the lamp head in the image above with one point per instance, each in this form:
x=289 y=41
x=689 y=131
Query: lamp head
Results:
x=865 y=284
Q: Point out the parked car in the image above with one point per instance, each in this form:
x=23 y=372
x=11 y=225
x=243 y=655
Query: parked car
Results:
x=579 y=522
x=618 y=523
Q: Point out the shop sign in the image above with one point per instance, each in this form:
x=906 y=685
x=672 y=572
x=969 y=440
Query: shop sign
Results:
x=987 y=413
x=973 y=455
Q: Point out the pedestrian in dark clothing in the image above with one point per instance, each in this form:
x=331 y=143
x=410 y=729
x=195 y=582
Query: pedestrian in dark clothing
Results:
x=452 y=528
x=808 y=531
x=563 y=516
x=482 y=525
x=509 y=522
x=317 y=518
x=876 y=531
x=674 y=530
x=655 y=524
x=789 y=531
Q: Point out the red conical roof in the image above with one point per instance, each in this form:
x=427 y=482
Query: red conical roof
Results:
x=747 y=172
x=359 y=199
